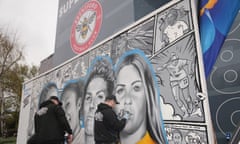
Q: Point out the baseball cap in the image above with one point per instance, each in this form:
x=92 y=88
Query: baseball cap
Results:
x=112 y=97
x=56 y=98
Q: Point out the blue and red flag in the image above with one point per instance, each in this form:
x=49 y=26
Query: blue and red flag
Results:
x=216 y=18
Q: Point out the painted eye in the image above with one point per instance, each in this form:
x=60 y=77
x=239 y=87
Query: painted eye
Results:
x=101 y=96
x=120 y=91
x=67 y=105
x=136 y=88
x=88 y=98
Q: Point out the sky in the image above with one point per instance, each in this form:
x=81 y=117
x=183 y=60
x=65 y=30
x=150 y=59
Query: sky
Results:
x=35 y=23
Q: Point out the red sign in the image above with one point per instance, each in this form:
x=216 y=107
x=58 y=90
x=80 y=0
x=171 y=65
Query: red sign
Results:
x=86 y=26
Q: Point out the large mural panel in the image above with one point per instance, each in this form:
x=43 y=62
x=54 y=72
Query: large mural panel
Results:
x=223 y=86
x=154 y=67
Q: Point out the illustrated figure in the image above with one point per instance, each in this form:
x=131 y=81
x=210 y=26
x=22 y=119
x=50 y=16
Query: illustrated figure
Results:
x=179 y=82
x=49 y=90
x=72 y=103
x=51 y=123
x=193 y=138
x=138 y=95
x=107 y=125
x=33 y=108
x=99 y=84
x=177 y=136
x=67 y=73
x=175 y=28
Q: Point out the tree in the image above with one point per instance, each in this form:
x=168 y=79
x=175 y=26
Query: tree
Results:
x=13 y=91
x=10 y=54
x=13 y=72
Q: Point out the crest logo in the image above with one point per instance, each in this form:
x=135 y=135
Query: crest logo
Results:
x=86 y=26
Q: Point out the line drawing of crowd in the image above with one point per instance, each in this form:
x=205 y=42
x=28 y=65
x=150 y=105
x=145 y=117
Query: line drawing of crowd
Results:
x=178 y=136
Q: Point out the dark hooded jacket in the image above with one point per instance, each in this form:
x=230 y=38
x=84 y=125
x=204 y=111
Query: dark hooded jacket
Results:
x=107 y=126
x=50 y=123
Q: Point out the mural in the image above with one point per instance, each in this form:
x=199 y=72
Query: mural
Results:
x=72 y=97
x=154 y=69
x=99 y=84
x=175 y=69
x=223 y=86
x=138 y=90
x=186 y=134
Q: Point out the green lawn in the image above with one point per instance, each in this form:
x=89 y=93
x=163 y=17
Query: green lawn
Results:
x=10 y=140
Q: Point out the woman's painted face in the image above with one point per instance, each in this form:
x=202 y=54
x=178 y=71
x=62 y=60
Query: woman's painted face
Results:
x=71 y=108
x=51 y=92
x=95 y=94
x=131 y=95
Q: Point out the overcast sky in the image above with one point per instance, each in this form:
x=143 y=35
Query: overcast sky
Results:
x=35 y=23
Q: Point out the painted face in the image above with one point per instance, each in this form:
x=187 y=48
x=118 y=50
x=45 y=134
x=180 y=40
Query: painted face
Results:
x=170 y=19
x=33 y=109
x=51 y=92
x=131 y=95
x=71 y=108
x=177 y=138
x=193 y=140
x=95 y=94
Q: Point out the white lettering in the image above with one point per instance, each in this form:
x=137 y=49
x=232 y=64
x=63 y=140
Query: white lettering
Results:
x=63 y=9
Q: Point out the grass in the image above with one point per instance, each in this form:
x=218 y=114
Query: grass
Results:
x=9 y=140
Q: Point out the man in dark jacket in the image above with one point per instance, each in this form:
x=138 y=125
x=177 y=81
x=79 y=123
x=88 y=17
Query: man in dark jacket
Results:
x=107 y=125
x=51 y=123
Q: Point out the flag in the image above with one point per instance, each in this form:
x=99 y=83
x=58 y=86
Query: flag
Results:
x=216 y=18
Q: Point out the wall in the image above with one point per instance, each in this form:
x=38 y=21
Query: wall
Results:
x=170 y=88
